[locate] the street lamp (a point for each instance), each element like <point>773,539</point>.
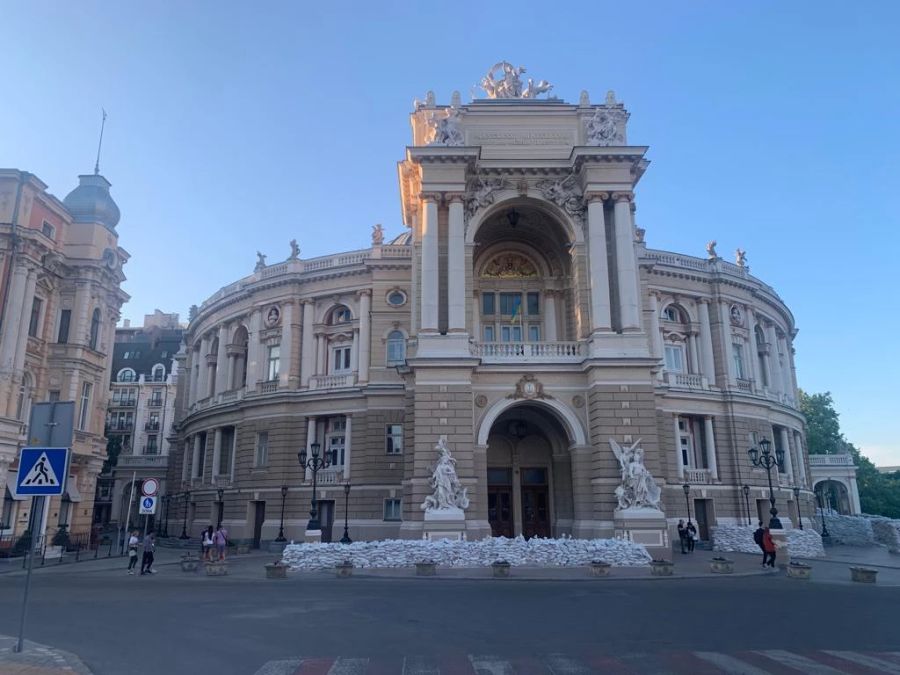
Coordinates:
<point>184,534</point>
<point>314,464</point>
<point>764,458</point>
<point>822,508</point>
<point>687,492</point>
<point>280,537</point>
<point>746,490</point>
<point>796,490</point>
<point>220,493</point>
<point>346,538</point>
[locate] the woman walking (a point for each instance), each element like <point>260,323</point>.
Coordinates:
<point>132,551</point>
<point>769,548</point>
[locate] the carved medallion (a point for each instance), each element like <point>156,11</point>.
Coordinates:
<point>273,316</point>
<point>481,400</point>
<point>578,401</point>
<point>737,316</point>
<point>529,388</point>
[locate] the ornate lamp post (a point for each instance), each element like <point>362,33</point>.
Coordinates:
<point>280,537</point>
<point>220,493</point>
<point>764,458</point>
<point>746,490</point>
<point>314,464</point>
<point>687,501</point>
<point>796,491</point>
<point>822,508</point>
<point>187,497</point>
<point>346,538</point>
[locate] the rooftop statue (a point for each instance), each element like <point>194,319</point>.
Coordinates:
<point>377,235</point>
<point>740,257</point>
<point>295,250</point>
<point>445,130</point>
<point>260,262</point>
<point>504,80</point>
<point>711,250</point>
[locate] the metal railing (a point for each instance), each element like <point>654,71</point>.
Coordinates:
<point>70,548</point>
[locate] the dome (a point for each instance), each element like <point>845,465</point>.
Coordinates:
<point>403,240</point>
<point>91,202</point>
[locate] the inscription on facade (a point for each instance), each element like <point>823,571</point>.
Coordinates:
<point>520,137</point>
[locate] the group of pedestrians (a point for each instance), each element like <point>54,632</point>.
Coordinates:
<point>149,545</point>
<point>763,538</point>
<point>687,534</point>
<point>213,543</point>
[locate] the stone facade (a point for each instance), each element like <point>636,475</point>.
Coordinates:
<point>524,318</point>
<point>61,296</point>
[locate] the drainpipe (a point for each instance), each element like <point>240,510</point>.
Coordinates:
<point>14,245</point>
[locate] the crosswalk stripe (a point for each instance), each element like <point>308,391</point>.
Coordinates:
<point>559,664</point>
<point>490,665</point>
<point>285,667</point>
<point>344,666</point>
<point>419,665</point>
<point>729,664</point>
<point>801,663</point>
<point>864,660</point>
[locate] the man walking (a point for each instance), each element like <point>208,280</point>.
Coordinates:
<point>682,534</point>
<point>758,538</point>
<point>149,548</point>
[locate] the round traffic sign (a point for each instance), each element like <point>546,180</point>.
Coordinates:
<point>148,502</point>
<point>150,487</point>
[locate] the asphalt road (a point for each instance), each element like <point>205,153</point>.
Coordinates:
<point>178,624</point>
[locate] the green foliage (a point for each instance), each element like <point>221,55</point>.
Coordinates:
<point>879,494</point>
<point>113,449</point>
<point>61,538</point>
<point>22,543</point>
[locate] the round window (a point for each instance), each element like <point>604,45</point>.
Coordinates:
<point>396,298</point>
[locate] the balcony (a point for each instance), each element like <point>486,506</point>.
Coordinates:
<point>121,426</point>
<point>686,380</point>
<point>831,460</point>
<point>123,403</point>
<point>139,461</point>
<point>697,476</point>
<point>151,426</point>
<point>332,381</point>
<point>155,403</point>
<point>333,476</point>
<point>268,387</point>
<point>528,352</point>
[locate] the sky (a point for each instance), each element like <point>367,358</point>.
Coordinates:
<point>236,127</point>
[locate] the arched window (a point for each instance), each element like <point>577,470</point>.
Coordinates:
<point>95,329</point>
<point>126,375</point>
<point>673,313</point>
<point>396,348</point>
<point>339,315</point>
<point>158,374</point>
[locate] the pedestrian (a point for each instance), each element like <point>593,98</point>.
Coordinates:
<point>769,547</point>
<point>207,542</point>
<point>682,534</point>
<point>758,538</point>
<point>220,539</point>
<point>691,536</point>
<point>132,551</point>
<point>149,548</point>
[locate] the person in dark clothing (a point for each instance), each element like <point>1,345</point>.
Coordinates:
<point>682,535</point>
<point>691,533</point>
<point>149,548</point>
<point>758,538</point>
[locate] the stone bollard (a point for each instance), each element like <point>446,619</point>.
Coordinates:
<point>426,568</point>
<point>662,568</point>
<point>799,570</point>
<point>276,570</point>
<point>344,569</point>
<point>500,569</point>
<point>863,575</point>
<point>189,563</point>
<point>721,566</point>
<point>217,569</point>
<point>599,568</point>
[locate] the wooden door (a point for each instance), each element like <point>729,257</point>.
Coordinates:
<point>500,510</point>
<point>326,518</point>
<point>259,517</point>
<point>535,511</point>
<point>701,511</point>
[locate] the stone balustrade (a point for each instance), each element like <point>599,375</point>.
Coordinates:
<point>528,352</point>
<point>332,381</point>
<point>831,460</point>
<point>696,476</point>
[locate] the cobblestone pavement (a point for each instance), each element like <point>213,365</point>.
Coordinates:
<point>37,659</point>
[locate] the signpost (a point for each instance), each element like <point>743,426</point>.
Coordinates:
<point>43,470</point>
<point>148,506</point>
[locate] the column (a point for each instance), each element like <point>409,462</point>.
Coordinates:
<point>311,433</point>
<point>78,333</point>
<point>707,362</point>
<point>348,445</point>
<point>710,439</point>
<point>321,354</point>
<point>429,299</point>
<point>365,337</point>
<point>203,375</point>
<point>550,316</point>
<point>656,345</point>
<point>456,267</point>
<point>785,368</point>
<point>286,366</point>
<point>17,324</point>
<point>775,380</point>
<point>221,383</point>
<point>254,351</point>
<point>753,357</point>
<point>678,449</point>
<point>184,459</point>
<point>727,346</point>
<point>626,264</point>
<point>188,373</point>
<point>217,454</point>
<point>788,459</point>
<point>476,316</point>
<point>801,461</point>
<point>195,458</point>
<point>14,314</point>
<point>307,353</point>
<point>695,356</point>
<point>354,351</point>
<point>599,263</point>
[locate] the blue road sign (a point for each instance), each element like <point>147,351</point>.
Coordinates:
<point>42,471</point>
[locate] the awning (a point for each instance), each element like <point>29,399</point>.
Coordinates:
<point>72,492</point>
<point>11,478</point>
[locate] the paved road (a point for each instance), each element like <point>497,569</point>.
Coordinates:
<point>184,624</point>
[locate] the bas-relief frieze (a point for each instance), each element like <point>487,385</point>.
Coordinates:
<point>520,137</point>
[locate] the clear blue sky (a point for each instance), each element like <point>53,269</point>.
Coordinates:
<point>235,127</point>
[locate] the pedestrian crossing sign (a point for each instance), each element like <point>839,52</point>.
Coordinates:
<point>42,471</point>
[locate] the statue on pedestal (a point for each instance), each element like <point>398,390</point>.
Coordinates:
<point>448,491</point>
<point>295,250</point>
<point>377,235</point>
<point>711,250</point>
<point>260,262</point>
<point>638,488</point>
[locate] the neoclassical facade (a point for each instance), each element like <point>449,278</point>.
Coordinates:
<point>523,317</point>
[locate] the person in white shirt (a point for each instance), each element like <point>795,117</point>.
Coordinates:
<point>132,551</point>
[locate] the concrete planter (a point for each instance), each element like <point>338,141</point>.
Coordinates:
<point>189,563</point>
<point>662,568</point>
<point>243,548</point>
<point>216,569</point>
<point>721,566</point>
<point>426,568</point>
<point>797,570</point>
<point>344,569</point>
<point>863,575</point>
<point>599,568</point>
<point>276,571</point>
<point>501,569</point>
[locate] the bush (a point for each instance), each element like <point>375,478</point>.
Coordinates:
<point>61,538</point>
<point>22,543</point>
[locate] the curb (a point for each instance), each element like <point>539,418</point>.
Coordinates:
<point>35,651</point>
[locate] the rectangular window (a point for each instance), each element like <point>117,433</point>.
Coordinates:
<point>487,304</point>
<point>738,350</point>
<point>65,318</point>
<point>274,363</point>
<point>675,358</point>
<point>53,395</point>
<point>510,333</point>
<point>534,307</point>
<point>152,447</point>
<point>262,449</point>
<point>34,323</point>
<point>341,360</point>
<point>510,303</point>
<point>225,452</point>
<point>686,442</point>
<point>47,229</point>
<point>337,428</point>
<point>394,439</point>
<point>392,509</point>
<point>534,333</point>
<point>488,333</point>
<point>84,416</point>
<point>153,421</point>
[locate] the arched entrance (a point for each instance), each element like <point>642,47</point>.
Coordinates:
<point>529,474</point>
<point>834,496</point>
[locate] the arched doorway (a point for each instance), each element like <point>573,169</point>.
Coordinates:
<point>834,496</point>
<point>529,474</point>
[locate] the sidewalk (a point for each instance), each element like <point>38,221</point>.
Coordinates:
<point>37,659</point>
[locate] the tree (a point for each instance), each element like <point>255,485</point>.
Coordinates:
<point>113,449</point>
<point>879,493</point>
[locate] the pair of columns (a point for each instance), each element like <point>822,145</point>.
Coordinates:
<point>627,280</point>
<point>216,457</point>
<point>456,266</point>
<point>313,435</point>
<point>709,439</point>
<point>314,347</point>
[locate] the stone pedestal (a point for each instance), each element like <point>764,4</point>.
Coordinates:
<point>644,526</point>
<point>445,524</point>
<point>312,536</point>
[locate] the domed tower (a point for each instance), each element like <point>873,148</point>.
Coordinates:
<point>91,202</point>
